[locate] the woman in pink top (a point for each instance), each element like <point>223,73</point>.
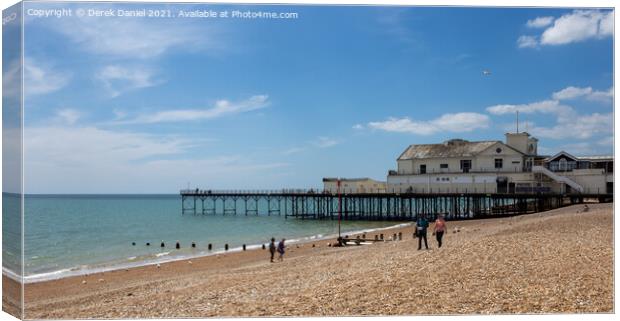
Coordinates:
<point>440,228</point>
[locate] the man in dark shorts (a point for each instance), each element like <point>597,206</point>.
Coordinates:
<point>421,225</point>
<point>272,248</point>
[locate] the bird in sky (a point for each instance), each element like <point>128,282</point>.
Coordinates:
<point>486,72</point>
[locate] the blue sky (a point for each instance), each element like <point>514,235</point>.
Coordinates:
<point>146,105</point>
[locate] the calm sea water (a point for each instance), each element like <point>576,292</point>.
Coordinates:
<point>68,235</point>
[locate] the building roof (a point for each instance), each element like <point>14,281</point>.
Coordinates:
<point>450,148</point>
<point>596,158</point>
<point>361,179</point>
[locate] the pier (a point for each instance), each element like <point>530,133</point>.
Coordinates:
<point>315,204</point>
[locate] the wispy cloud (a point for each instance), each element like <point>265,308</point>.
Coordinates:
<point>358,127</point>
<point>118,79</point>
<point>545,107</point>
<point>325,142</point>
<point>527,42</point>
<point>588,93</point>
<point>41,78</point>
<point>569,123</point>
<point>577,26</point>
<point>220,109</point>
<point>62,158</point>
<point>580,127</point>
<point>68,116</point>
<point>293,150</point>
<point>456,123</point>
<point>133,38</point>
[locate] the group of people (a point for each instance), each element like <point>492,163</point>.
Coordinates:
<point>421,227</point>
<point>279,248</point>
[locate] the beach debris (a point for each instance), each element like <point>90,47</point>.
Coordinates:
<point>329,244</point>
<point>158,265</point>
<point>101,280</point>
<point>83,281</point>
<point>129,294</point>
<point>189,262</point>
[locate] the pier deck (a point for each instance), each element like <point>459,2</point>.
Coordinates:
<point>313,204</point>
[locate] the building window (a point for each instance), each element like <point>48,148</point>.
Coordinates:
<point>499,163</point>
<point>443,166</point>
<point>465,165</point>
<point>563,164</point>
<point>422,169</point>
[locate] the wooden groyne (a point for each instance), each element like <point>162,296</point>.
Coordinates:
<point>313,204</point>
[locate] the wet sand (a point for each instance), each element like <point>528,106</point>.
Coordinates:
<point>559,261</point>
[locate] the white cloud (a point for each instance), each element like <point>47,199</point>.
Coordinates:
<point>40,78</point>
<point>293,150</point>
<point>68,116</point>
<point>119,79</point>
<point>358,126</point>
<point>571,92</point>
<point>546,107</point>
<point>527,42</point>
<point>602,96</point>
<point>579,127</point>
<point>578,26</point>
<point>325,142</point>
<point>61,159</point>
<point>221,108</point>
<point>459,122</point>
<point>539,22</point>
<point>132,38</point>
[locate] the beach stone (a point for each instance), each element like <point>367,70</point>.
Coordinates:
<point>101,280</point>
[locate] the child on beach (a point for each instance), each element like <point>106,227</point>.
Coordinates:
<point>440,228</point>
<point>281,247</point>
<point>272,248</point>
<point>421,225</point>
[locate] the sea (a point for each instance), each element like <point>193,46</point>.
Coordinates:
<point>67,235</point>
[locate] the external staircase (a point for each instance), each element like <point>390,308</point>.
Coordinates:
<point>558,178</point>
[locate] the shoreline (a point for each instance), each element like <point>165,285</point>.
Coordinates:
<point>163,259</point>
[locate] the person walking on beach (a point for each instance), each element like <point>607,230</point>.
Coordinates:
<point>272,248</point>
<point>421,225</point>
<point>440,228</point>
<point>281,248</point>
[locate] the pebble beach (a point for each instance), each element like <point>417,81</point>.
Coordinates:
<point>560,261</point>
